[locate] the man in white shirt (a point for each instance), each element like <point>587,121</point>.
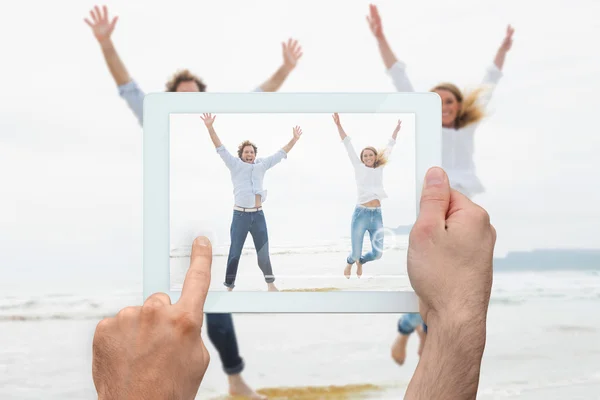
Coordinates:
<point>247,176</point>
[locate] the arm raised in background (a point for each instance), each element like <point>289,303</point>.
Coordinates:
<point>504,48</point>
<point>128,88</point>
<point>494,72</point>
<point>291,54</point>
<point>103,29</point>
<point>346,140</point>
<point>396,68</point>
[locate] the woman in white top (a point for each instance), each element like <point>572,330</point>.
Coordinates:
<point>368,171</point>
<point>461,113</point>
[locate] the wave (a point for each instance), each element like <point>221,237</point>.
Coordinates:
<point>510,290</point>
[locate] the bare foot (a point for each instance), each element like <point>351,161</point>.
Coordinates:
<point>238,387</point>
<point>348,271</point>
<point>399,348</point>
<point>229,289</point>
<point>422,337</point>
<point>272,287</point>
<point>358,269</point>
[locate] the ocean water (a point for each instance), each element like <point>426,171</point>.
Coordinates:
<point>542,343</point>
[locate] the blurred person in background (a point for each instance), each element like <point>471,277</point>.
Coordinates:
<point>462,112</point>
<point>219,326</point>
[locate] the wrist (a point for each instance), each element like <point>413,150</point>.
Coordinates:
<point>106,43</point>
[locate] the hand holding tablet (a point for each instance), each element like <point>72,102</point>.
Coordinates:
<point>449,266</point>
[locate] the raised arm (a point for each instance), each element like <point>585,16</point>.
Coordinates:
<point>504,48</point>
<point>282,153</point>
<point>103,29</point>
<point>291,54</point>
<point>209,120</point>
<point>346,140</point>
<point>297,132</point>
<point>395,68</point>
<point>494,72</point>
<point>392,141</point>
<point>227,157</point>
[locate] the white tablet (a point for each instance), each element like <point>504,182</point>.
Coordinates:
<point>331,232</point>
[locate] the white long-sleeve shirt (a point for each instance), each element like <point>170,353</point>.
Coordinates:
<point>369,181</point>
<point>457,144</point>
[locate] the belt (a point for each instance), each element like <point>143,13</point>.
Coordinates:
<point>242,209</point>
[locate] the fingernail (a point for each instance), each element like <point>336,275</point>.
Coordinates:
<point>435,176</point>
<point>201,241</point>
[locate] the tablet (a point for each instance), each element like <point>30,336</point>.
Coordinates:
<point>330,233</point>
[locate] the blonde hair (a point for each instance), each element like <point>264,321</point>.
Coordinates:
<point>380,158</point>
<point>470,111</point>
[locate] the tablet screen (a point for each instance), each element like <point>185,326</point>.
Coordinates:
<point>322,206</point>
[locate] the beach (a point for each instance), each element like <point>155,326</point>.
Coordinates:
<point>305,268</point>
<point>542,344</point>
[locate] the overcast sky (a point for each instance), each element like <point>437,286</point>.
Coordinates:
<point>70,150</point>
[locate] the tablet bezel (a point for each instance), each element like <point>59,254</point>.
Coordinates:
<point>156,153</point>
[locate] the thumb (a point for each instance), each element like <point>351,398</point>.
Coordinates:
<point>435,200</point>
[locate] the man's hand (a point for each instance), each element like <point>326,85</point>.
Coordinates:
<point>297,132</point>
<point>101,27</point>
<point>450,253</point>
<point>374,21</point>
<point>208,119</point>
<point>507,42</point>
<point>156,351</point>
<point>291,54</point>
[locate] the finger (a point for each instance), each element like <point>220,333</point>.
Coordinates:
<point>158,300</point>
<point>93,16</point>
<point>105,14</point>
<point>87,21</point>
<point>113,23</point>
<point>97,13</point>
<point>197,279</point>
<point>435,200</point>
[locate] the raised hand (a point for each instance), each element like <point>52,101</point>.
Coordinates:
<point>297,132</point>
<point>291,53</point>
<point>507,42</point>
<point>336,119</point>
<point>101,27</point>
<point>208,119</point>
<point>395,134</point>
<point>374,21</point>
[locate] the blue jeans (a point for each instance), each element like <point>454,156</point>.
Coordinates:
<point>222,335</point>
<point>409,322</point>
<point>366,219</point>
<point>243,223</point>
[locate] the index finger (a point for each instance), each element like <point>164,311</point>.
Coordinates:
<point>197,279</point>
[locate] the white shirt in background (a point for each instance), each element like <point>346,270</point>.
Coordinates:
<point>457,144</point>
